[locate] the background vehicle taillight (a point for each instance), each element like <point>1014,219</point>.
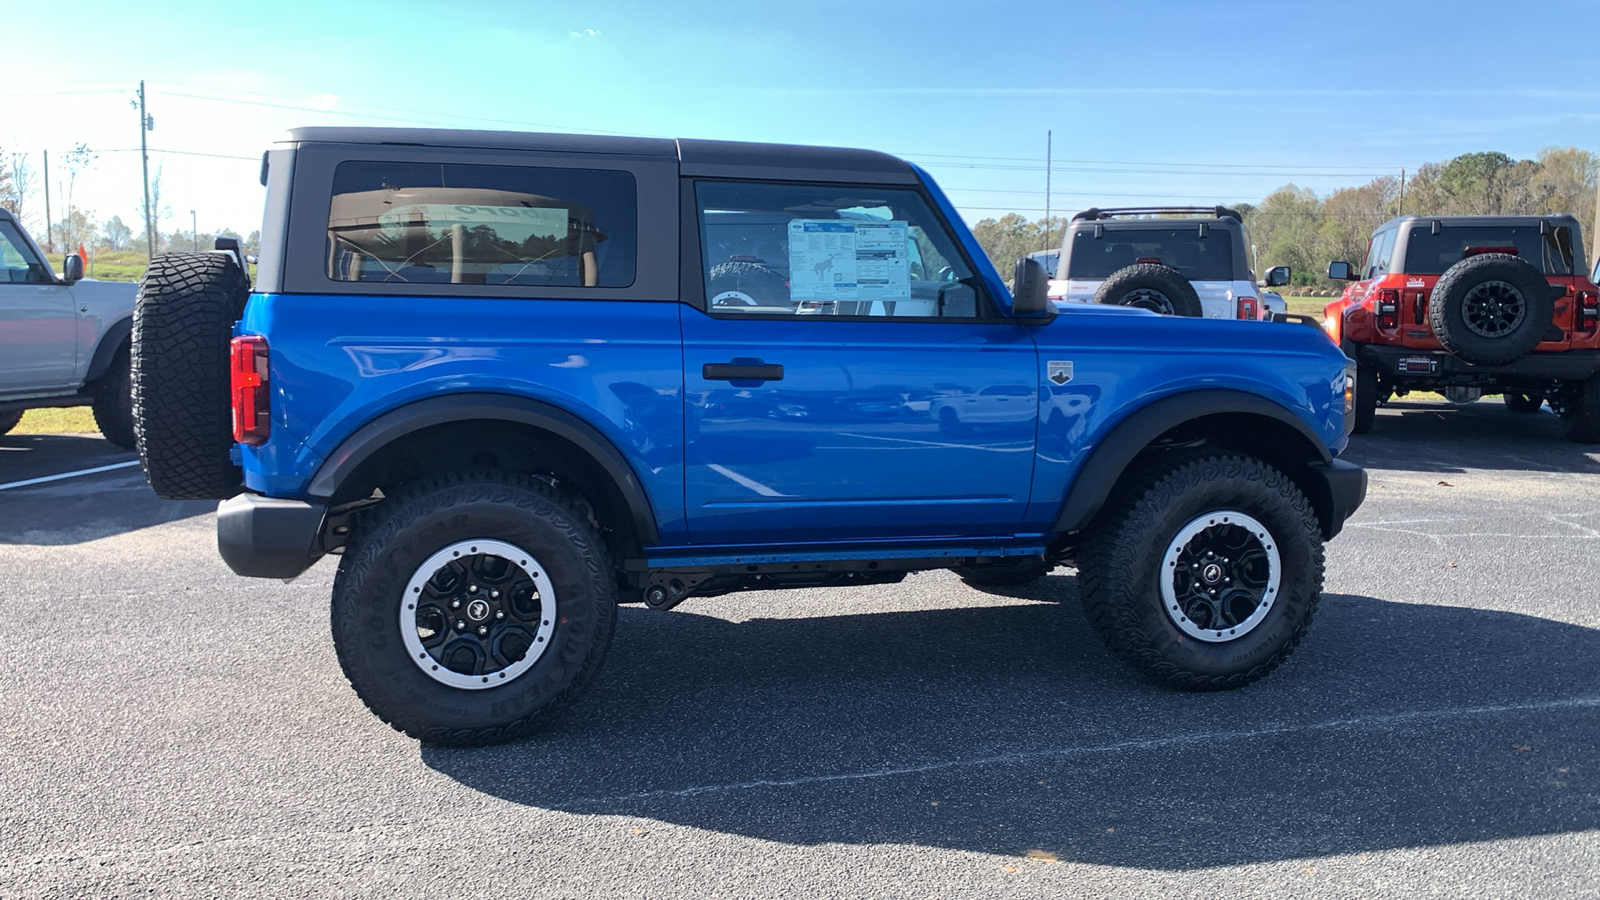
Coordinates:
<point>1247,307</point>
<point>1388,309</point>
<point>1588,310</point>
<point>251,416</point>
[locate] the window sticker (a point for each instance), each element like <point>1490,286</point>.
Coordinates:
<point>831,259</point>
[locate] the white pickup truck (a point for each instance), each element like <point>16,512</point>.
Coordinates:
<point>63,340</point>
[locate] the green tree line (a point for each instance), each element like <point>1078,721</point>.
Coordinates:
<point>1295,227</point>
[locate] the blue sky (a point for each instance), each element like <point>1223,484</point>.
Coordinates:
<point>1180,102</point>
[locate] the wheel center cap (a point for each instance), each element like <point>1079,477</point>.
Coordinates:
<point>1212,573</point>
<point>478,610</point>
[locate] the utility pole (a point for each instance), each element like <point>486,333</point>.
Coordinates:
<point>1047,191</point>
<point>1400,209</point>
<point>145,125</point>
<point>194,231</point>
<point>1594,236</point>
<point>49,240</point>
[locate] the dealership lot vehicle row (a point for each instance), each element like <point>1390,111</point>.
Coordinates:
<point>189,732</point>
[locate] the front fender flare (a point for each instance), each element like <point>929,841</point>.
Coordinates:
<point>1128,438</point>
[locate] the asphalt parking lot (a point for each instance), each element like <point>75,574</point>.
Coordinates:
<point>170,729</point>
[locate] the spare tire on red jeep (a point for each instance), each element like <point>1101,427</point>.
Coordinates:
<point>1157,288</point>
<point>182,414</point>
<point>1492,308</point>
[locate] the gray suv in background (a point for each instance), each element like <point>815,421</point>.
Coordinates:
<point>63,340</point>
<point>1183,261</point>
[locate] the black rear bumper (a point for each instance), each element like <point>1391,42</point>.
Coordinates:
<point>265,537</point>
<point>1337,489</point>
<point>1404,367</point>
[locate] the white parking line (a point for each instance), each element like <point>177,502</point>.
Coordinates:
<point>64,475</point>
<point>1355,723</point>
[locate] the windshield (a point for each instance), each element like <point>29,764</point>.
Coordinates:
<point>1208,258</point>
<point>1431,254</point>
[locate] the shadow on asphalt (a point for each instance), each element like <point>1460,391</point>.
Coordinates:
<point>1423,436</point>
<point>78,509</point>
<point>1008,729</point>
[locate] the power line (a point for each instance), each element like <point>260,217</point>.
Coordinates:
<point>1123,162</point>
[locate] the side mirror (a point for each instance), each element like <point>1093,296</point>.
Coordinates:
<point>72,268</point>
<point>1340,271</point>
<point>1278,276</point>
<point>1030,290</point>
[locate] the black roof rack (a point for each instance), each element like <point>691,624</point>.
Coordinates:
<point>1220,212</point>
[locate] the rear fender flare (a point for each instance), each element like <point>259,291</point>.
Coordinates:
<point>372,437</point>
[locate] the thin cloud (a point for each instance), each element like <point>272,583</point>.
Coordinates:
<point>586,33</point>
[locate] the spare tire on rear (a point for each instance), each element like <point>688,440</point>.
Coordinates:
<point>182,414</point>
<point>1491,309</point>
<point>1157,288</point>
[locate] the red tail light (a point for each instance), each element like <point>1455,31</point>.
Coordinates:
<point>252,421</point>
<point>1388,309</point>
<point>1588,311</point>
<point>1247,307</point>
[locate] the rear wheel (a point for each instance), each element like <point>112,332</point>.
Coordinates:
<point>1580,414</point>
<point>1521,401</point>
<point>473,608</point>
<point>1366,398</point>
<point>1203,570</point>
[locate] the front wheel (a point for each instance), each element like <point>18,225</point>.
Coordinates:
<point>474,607</point>
<point>113,403</point>
<point>1203,571</point>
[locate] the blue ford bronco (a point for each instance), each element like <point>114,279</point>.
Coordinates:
<point>513,380</point>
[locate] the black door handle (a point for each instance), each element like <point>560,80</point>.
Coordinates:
<point>741,371</point>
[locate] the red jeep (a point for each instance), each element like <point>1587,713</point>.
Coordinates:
<point>1493,304</point>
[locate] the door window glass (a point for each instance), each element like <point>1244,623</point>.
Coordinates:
<point>18,265</point>
<point>1378,254</point>
<point>810,250</point>
<point>429,223</point>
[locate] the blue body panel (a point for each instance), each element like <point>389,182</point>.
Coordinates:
<point>1125,359</point>
<point>877,429</point>
<point>883,439</point>
<point>337,363</point>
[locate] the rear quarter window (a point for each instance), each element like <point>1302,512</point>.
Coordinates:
<point>1208,258</point>
<point>1432,254</point>
<point>443,223</point>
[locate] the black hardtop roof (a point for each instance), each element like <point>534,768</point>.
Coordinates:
<point>1109,214</point>
<point>1446,221</point>
<point>690,153</point>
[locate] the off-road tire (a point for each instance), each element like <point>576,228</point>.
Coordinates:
<point>1366,399</point>
<point>9,421</point>
<point>419,520</point>
<point>1523,401</point>
<point>113,402</point>
<point>1010,574</point>
<point>1120,567</point>
<point>1580,414</point>
<point>764,286</point>
<point>182,414</point>
<point>1491,278</point>
<point>1135,285</point>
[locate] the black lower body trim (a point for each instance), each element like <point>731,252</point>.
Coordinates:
<point>266,537</point>
<point>1337,489</point>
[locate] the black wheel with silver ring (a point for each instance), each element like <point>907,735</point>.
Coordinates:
<point>478,614</point>
<point>1203,569</point>
<point>471,607</point>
